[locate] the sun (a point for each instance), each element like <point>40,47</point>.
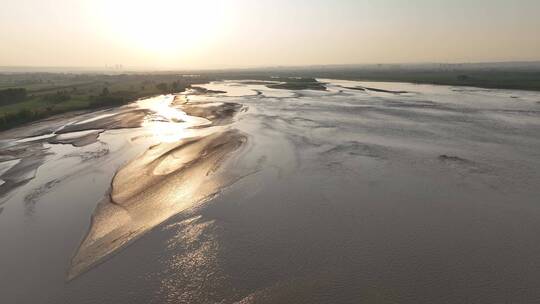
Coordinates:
<point>163,26</point>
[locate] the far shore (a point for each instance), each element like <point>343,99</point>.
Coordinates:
<point>30,97</point>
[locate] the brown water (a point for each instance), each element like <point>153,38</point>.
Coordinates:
<point>395,194</point>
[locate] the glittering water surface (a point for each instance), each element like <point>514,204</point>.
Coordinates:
<point>364,193</point>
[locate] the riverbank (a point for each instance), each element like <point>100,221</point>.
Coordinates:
<point>33,97</point>
<point>524,79</point>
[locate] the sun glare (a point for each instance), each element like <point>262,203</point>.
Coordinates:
<point>164,27</point>
<point>169,124</point>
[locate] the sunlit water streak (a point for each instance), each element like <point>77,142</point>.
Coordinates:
<point>169,124</point>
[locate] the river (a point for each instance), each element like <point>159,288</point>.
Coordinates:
<point>234,192</point>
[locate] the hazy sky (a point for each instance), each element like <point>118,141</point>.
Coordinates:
<point>244,33</point>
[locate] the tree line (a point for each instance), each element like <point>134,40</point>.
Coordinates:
<point>11,96</point>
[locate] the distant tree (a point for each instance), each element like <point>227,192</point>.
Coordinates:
<point>25,114</point>
<point>163,87</point>
<point>58,97</point>
<point>10,96</point>
<point>175,86</point>
<point>105,92</point>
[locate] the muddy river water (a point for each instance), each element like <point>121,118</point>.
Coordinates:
<point>233,192</point>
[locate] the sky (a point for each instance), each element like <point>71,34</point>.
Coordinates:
<point>184,34</point>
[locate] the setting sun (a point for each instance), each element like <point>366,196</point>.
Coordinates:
<point>162,27</point>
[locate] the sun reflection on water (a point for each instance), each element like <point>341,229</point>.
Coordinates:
<point>169,124</point>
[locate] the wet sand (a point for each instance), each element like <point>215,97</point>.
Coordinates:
<point>161,183</point>
<point>243,193</point>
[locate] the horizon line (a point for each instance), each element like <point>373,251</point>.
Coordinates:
<point>120,67</point>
